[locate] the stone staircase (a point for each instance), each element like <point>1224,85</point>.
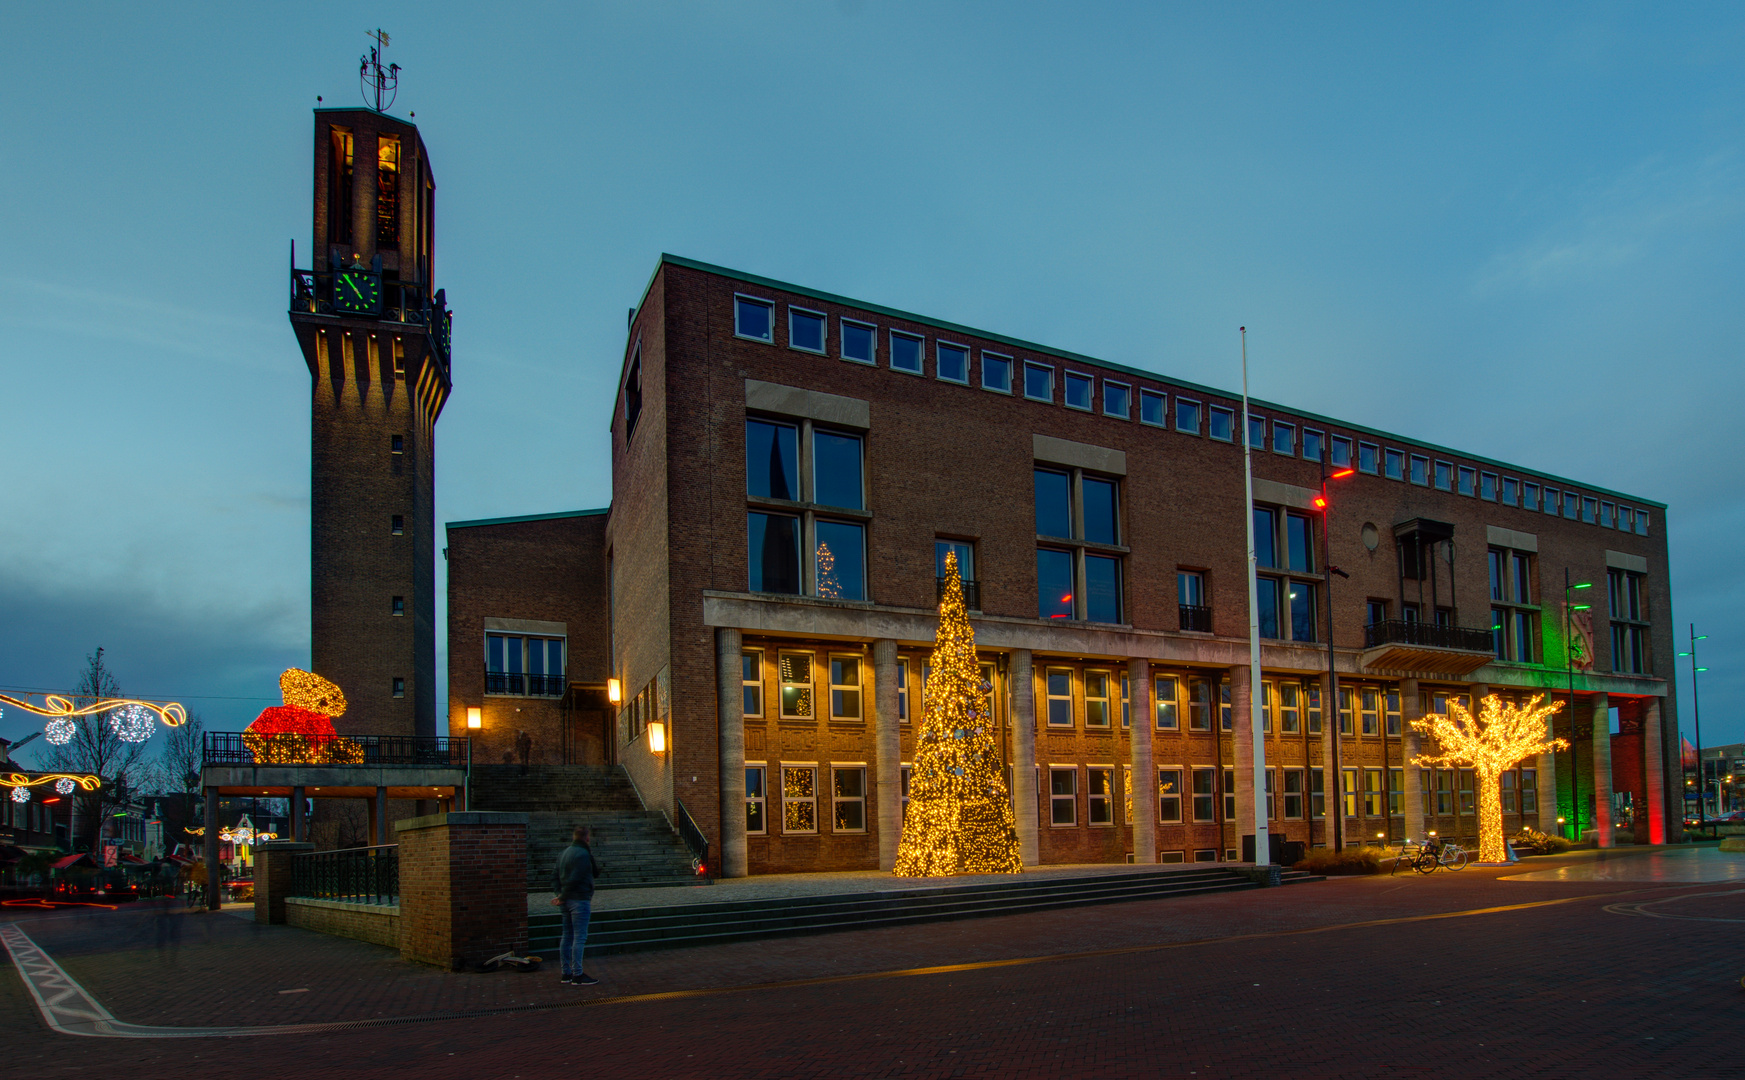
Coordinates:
<point>637,847</point>
<point>680,925</point>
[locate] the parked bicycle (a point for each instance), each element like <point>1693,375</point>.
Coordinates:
<point>1429,854</point>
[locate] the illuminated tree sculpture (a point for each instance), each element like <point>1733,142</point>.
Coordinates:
<point>1499,738</point>
<point>301,730</point>
<point>959,819</point>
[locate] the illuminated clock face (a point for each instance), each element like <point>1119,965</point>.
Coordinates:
<point>356,290</point>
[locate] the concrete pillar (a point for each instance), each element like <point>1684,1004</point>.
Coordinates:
<point>1654,772</point>
<point>1241,722</point>
<point>887,751</point>
<point>1144,793</point>
<point>1024,756</point>
<point>299,815</point>
<point>214,877</point>
<point>1411,745</point>
<point>1602,779</point>
<point>730,726</point>
<point>379,817</point>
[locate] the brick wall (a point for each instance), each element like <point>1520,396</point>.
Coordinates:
<point>378,924</point>
<point>547,569</point>
<point>463,887</point>
<point>272,878</point>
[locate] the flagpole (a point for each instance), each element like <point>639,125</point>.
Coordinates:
<point>1257,781</point>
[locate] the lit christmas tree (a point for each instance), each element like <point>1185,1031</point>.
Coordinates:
<point>1498,739</point>
<point>959,819</point>
<point>829,587</point>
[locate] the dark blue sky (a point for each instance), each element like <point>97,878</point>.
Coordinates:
<point>1515,230</point>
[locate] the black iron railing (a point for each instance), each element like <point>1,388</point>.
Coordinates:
<point>972,593</point>
<point>249,748</point>
<point>693,837</point>
<point>514,682</point>
<point>1196,617</point>
<point>1404,632</point>
<point>369,875</point>
<point>367,294</point>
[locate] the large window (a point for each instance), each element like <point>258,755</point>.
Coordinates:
<point>996,372</point>
<point>1222,424</point>
<point>1078,514</point>
<point>1038,381</point>
<point>951,362</point>
<point>1164,689</point>
<point>906,350</point>
<point>966,569</point>
<point>848,799</point>
<point>519,665</point>
<point>1101,796</point>
<point>845,688</point>
<point>753,318</point>
<point>807,330</point>
<point>1205,799</point>
<point>836,568</point>
<point>796,674</point>
<point>1187,416</point>
<point>1169,795</point>
<point>1285,541</point>
<point>859,341</point>
<point>1063,796</point>
<point>1059,697</point>
<point>1629,614</point>
<point>1513,612</point>
<point>799,798</point>
<point>755,822</point>
<point>1096,699</point>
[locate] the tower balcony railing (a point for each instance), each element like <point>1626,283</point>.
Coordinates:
<point>404,302</point>
<point>1196,617</point>
<point>517,683</point>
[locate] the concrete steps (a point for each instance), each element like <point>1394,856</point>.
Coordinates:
<point>683,925</point>
<point>638,847</point>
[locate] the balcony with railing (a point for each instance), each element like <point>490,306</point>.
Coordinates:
<point>972,593</point>
<point>366,294</point>
<point>1407,645</point>
<point>1196,617</point>
<point>517,684</point>
<point>246,748</point>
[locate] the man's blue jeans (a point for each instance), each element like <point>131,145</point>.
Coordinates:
<point>575,935</point>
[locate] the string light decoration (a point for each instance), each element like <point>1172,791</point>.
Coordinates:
<point>20,794</point>
<point>63,783</point>
<point>829,586</point>
<point>959,819</point>
<point>131,723</point>
<point>300,732</point>
<point>1502,736</point>
<point>62,711</point>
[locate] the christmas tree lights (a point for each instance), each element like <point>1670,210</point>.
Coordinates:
<point>959,819</point>
<point>1499,738</point>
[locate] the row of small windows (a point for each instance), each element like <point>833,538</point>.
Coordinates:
<point>857,342</point>
<point>1292,794</point>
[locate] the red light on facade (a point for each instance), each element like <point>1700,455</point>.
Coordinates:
<point>1320,503</point>
<point>1343,473</point>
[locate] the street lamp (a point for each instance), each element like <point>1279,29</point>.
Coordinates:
<point>1330,707</point>
<point>1569,611</point>
<point>1696,712</point>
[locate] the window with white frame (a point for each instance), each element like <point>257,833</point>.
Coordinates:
<point>807,330</point>
<point>1117,399</point>
<point>1205,797</point>
<point>755,822</point>
<point>1226,712</point>
<point>1229,794</point>
<point>1444,476</point>
<point>1468,791</point>
<point>1221,423</point>
<point>1553,504</point>
<point>1257,431</point>
<point>796,676</point>
<point>799,798</point>
<point>1608,515</point>
<point>1271,796</point>
<point>1096,699</point>
<point>951,362</point>
<point>1314,444</point>
<point>904,774</point>
<point>1312,707</point>
<point>1339,454</point>
<point>1393,464</point>
<point>1038,381</point>
<point>1199,704</point>
<point>754,318</point>
<point>1349,793</point>
<point>1420,470</point>
<point>906,352</point>
<point>1063,795</point>
<point>1293,794</point>
<point>996,372</point>
<point>1284,438</point>
<point>1487,486</point>
<point>1529,791</point>
<point>1467,480</point>
<point>1317,793</point>
<point>1368,458</point>
<point>1372,793</point>
<point>1511,491</point>
<point>1152,407</point>
<point>902,690</point>
<point>1371,711</point>
<point>1290,708</point>
<point>1078,390</point>
<point>1164,689</point>
<point>1059,696</point>
<point>1529,496</point>
<point>845,688</point>
<point>1390,700</point>
<point>1187,416</point>
<point>751,681</point>
<point>1169,794</point>
<point>848,798</point>
<point>858,341</point>
<point>1101,795</point>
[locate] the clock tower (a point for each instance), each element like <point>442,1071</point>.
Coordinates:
<point>375,334</point>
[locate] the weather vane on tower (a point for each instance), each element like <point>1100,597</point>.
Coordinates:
<point>373,77</point>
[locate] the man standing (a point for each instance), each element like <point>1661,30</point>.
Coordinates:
<point>573,882</point>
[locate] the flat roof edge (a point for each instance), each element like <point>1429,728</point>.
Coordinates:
<point>526,517</point>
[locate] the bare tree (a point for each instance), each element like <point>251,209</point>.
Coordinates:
<point>340,823</point>
<point>96,748</point>
<point>180,757</point>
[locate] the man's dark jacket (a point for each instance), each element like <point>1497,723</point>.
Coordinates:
<point>573,877</point>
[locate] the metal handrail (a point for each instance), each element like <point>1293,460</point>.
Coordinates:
<point>401,301</point>
<point>517,682</point>
<point>250,748</point>
<point>692,836</point>
<point>369,875</point>
<point>1196,617</point>
<point>1406,632</point>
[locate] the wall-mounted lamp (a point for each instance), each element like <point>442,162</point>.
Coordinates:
<point>475,719</point>
<point>657,737</point>
<point>614,693</point>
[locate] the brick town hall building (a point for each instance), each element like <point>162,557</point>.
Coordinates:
<point>789,469</point>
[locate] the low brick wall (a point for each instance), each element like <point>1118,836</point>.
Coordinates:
<point>463,887</point>
<point>378,924</point>
<point>272,878</point>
